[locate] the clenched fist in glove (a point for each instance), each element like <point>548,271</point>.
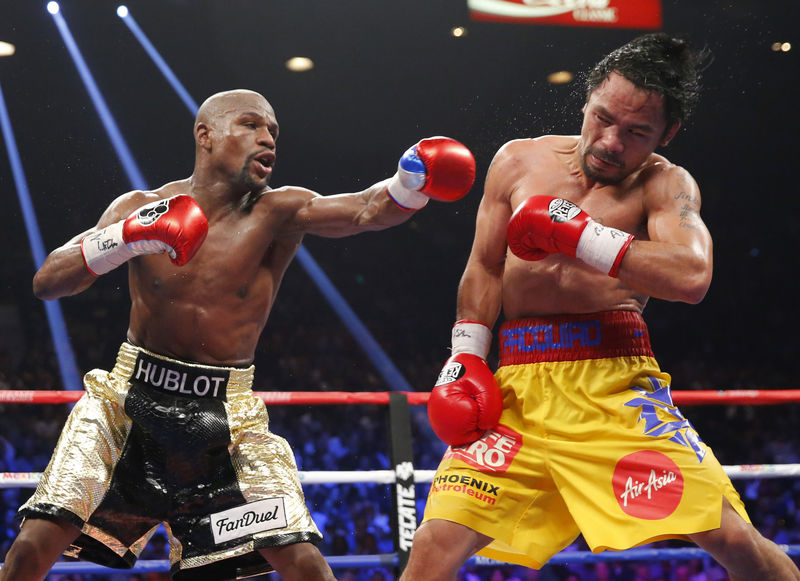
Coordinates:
<point>466,400</point>
<point>437,167</point>
<point>175,225</point>
<point>544,225</point>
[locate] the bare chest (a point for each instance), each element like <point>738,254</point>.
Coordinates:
<point>233,262</point>
<point>612,205</point>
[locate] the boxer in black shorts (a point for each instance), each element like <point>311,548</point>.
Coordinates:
<point>173,433</point>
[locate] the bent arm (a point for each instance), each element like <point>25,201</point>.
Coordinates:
<point>480,292</point>
<point>64,271</point>
<point>676,262</point>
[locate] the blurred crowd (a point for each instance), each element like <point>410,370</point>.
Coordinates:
<point>306,348</point>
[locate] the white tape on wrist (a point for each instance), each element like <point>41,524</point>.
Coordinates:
<point>603,247</point>
<point>471,337</point>
<point>406,198</point>
<point>105,250</point>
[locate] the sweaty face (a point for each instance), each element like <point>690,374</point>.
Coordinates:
<point>246,140</point>
<point>622,127</point>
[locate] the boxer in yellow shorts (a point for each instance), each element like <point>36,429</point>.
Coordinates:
<point>573,236</point>
<point>589,441</point>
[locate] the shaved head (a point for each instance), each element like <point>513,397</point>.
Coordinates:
<point>235,133</point>
<point>220,105</point>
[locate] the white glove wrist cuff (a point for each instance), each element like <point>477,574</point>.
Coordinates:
<point>105,250</point>
<point>603,247</point>
<point>406,198</point>
<point>471,337</point>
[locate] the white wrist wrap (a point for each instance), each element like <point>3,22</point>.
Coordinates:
<point>603,247</point>
<point>105,250</point>
<point>471,337</point>
<point>406,197</point>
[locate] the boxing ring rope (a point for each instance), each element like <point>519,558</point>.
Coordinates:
<point>700,397</point>
<point>740,472</point>
<point>392,560</point>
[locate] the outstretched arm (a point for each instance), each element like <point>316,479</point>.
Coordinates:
<point>438,168</point>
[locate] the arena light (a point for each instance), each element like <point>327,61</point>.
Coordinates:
<point>299,64</point>
<point>7,49</point>
<point>68,368</point>
<point>53,7</point>
<point>458,32</point>
<point>133,26</point>
<point>559,78</point>
<point>115,135</point>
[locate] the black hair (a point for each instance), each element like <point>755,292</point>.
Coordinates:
<point>659,63</point>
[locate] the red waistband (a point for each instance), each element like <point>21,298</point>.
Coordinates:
<point>574,337</point>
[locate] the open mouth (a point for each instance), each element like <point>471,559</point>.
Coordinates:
<point>263,163</point>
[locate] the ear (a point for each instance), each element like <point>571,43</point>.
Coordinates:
<point>670,133</point>
<point>202,136</point>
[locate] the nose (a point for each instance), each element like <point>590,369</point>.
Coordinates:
<point>612,140</point>
<point>266,138</point>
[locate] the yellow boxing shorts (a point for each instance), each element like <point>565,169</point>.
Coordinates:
<point>159,440</point>
<point>589,442</point>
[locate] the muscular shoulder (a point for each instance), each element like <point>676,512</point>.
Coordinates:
<point>130,201</point>
<point>281,205</point>
<point>521,154</point>
<point>525,148</point>
<point>287,199</point>
<point>664,182</point>
<point>519,158</point>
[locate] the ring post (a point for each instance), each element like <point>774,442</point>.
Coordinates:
<point>405,514</point>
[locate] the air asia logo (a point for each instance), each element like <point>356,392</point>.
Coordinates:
<point>562,210</point>
<point>248,519</point>
<point>492,453</point>
<point>648,485</point>
<point>151,212</point>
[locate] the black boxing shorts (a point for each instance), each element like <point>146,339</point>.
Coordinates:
<point>159,440</point>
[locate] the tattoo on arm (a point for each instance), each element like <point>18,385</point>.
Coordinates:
<point>688,198</point>
<point>690,210</point>
<point>689,217</point>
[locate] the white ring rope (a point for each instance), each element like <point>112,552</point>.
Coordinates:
<point>742,472</point>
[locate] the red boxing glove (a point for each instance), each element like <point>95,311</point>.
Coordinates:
<point>466,400</point>
<point>175,225</point>
<point>544,225</point>
<point>437,167</point>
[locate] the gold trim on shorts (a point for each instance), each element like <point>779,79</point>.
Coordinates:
<point>77,483</point>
